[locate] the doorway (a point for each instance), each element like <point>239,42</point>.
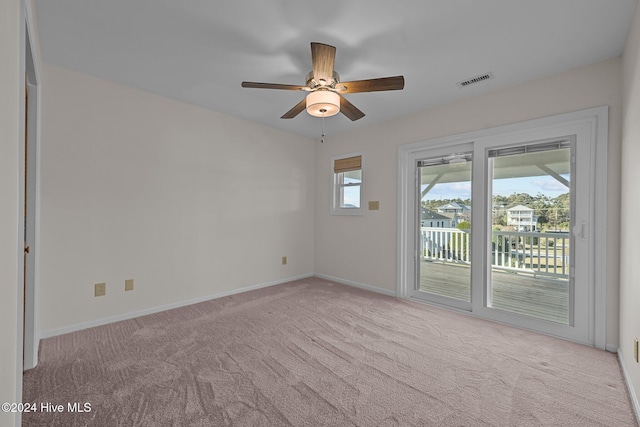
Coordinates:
<point>503,224</point>
<point>31,138</point>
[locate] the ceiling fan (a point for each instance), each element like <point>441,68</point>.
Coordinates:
<point>325,88</point>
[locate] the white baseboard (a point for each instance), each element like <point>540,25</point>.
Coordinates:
<point>126,316</point>
<point>358,285</point>
<point>611,348</point>
<point>632,392</point>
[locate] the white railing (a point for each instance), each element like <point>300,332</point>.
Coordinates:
<point>527,252</point>
<point>445,244</point>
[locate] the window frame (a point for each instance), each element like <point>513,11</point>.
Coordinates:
<point>337,186</point>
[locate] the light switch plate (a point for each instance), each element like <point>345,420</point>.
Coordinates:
<point>100,289</point>
<point>128,285</point>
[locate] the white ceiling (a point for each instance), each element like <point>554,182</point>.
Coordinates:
<point>199,51</point>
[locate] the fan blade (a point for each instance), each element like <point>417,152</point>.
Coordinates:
<point>299,108</point>
<point>256,85</point>
<point>323,57</point>
<point>350,110</point>
<point>371,85</point>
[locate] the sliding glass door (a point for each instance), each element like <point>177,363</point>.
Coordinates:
<point>530,222</point>
<point>500,226</point>
<point>443,225</point>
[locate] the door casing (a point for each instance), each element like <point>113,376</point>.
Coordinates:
<point>590,128</point>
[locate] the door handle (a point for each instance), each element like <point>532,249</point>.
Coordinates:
<point>580,230</point>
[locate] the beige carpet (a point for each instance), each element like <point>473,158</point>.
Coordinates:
<point>316,353</point>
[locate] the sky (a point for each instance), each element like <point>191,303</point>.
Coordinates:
<point>502,187</point>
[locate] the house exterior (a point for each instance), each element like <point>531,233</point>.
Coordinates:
<point>429,218</point>
<point>457,212</point>
<point>522,218</point>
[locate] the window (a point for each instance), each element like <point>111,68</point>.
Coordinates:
<point>347,185</point>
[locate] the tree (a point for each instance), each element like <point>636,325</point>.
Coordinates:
<point>464,225</point>
<point>458,243</point>
<point>521,199</point>
<point>542,220</point>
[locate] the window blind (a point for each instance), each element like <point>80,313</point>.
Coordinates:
<point>532,148</point>
<point>347,164</point>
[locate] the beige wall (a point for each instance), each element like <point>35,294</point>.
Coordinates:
<point>11,157</point>
<point>187,202</point>
<point>629,265</point>
<point>363,249</point>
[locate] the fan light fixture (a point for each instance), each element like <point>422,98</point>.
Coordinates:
<point>325,90</point>
<point>323,103</point>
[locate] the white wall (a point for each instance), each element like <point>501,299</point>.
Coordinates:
<point>363,249</point>
<point>187,202</point>
<point>11,159</point>
<point>629,265</point>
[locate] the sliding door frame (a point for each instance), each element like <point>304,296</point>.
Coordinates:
<point>591,129</point>
<point>416,156</point>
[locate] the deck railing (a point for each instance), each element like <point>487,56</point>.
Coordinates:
<point>527,252</point>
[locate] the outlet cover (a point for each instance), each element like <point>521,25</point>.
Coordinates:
<point>284,260</point>
<point>100,289</point>
<point>128,285</point>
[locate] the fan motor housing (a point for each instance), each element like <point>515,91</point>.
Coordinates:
<point>314,84</point>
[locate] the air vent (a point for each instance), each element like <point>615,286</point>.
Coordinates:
<point>476,79</point>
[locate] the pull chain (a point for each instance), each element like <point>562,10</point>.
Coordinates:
<point>322,138</point>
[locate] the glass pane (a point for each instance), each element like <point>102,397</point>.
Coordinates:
<point>352,177</point>
<point>445,227</point>
<point>349,187</point>
<point>350,197</point>
<point>530,239</point>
